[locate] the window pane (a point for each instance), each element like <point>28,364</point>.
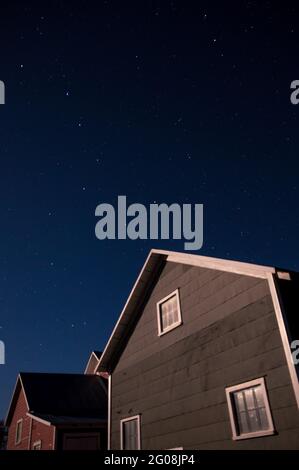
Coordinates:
<point>169,312</point>
<point>164,318</point>
<point>175,312</point>
<point>263,418</point>
<point>243,425</point>
<point>130,441</point>
<point>254,420</point>
<point>165,315</point>
<point>259,396</point>
<point>249,398</point>
<point>239,400</point>
<point>250,410</point>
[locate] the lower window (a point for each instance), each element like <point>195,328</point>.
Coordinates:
<point>37,445</point>
<point>249,410</point>
<point>130,433</point>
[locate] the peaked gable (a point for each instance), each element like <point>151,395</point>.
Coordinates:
<point>18,389</point>
<point>144,284</point>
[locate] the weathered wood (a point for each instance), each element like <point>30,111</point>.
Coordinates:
<point>177,382</point>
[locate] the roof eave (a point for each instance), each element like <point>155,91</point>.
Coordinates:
<point>149,269</point>
<point>11,404</point>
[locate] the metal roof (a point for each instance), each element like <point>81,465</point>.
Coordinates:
<point>73,395</point>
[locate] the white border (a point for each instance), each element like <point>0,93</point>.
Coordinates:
<point>177,323</point>
<point>131,418</point>
<point>232,417</point>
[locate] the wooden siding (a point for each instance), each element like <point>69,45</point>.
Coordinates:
<point>177,382</point>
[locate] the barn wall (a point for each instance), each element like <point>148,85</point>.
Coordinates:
<point>177,382</point>
<point>44,433</point>
<point>20,412</point>
<point>31,431</point>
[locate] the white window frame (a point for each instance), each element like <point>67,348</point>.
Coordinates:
<point>162,332</point>
<point>19,424</point>
<point>233,418</point>
<point>37,443</point>
<point>125,420</point>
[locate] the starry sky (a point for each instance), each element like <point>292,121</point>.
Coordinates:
<point>166,101</point>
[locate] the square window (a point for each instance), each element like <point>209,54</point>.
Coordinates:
<point>169,313</point>
<point>249,410</point>
<point>130,433</point>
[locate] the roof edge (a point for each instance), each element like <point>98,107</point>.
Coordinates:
<point>93,353</point>
<point>10,408</point>
<point>237,267</point>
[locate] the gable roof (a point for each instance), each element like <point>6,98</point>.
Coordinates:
<point>76,396</point>
<point>97,354</point>
<point>144,283</point>
<point>92,362</point>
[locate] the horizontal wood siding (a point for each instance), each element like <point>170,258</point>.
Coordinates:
<point>206,296</point>
<point>177,382</point>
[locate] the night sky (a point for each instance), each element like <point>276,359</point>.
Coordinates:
<point>185,102</point>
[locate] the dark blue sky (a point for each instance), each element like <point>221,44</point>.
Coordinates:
<point>185,102</point>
